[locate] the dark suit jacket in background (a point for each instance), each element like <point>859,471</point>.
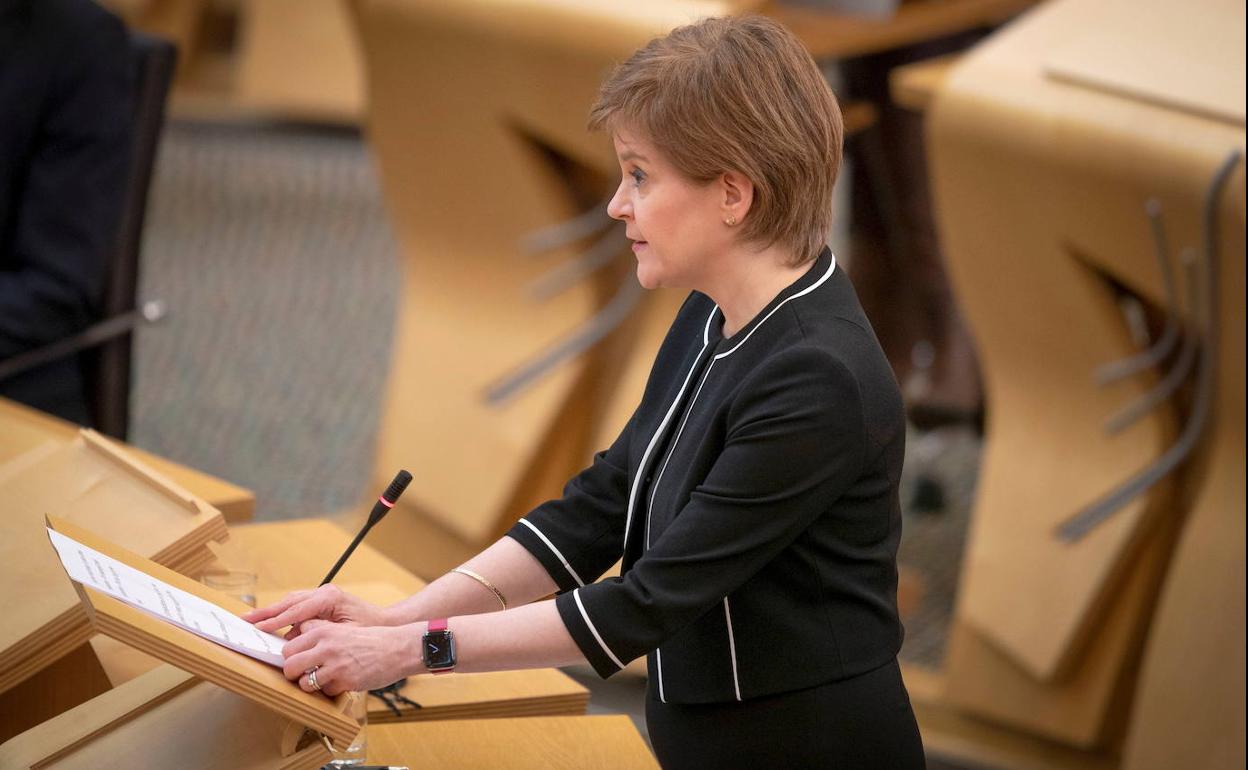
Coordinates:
<point>66,99</point>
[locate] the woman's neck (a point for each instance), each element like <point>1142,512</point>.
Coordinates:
<point>747,281</point>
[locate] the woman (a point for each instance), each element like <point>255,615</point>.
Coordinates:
<point>752,495</point>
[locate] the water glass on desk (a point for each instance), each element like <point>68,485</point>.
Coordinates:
<point>239,583</point>
<point>356,753</point>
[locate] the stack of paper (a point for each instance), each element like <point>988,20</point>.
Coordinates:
<point>165,602</point>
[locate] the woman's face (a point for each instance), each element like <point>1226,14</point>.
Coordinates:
<point>676,225</point>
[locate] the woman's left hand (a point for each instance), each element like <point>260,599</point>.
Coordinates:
<point>350,657</point>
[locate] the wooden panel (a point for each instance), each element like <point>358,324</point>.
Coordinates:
<point>841,35</point>
<point>1208,79</point>
<point>1189,710</point>
<point>1020,163</point>
<point>134,726</point>
<point>536,692</point>
<point>652,326</point>
<point>541,743</point>
<point>913,85</point>
<point>412,539</point>
<point>71,680</point>
<point>23,428</point>
<point>1083,708</point>
<point>1030,171</point>
<point>94,484</point>
<point>963,740</point>
<point>288,555</point>
<point>299,59</point>
<point>121,662</point>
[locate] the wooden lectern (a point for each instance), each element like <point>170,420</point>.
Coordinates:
<point>46,664</point>
<point>279,724</point>
<point>245,714</point>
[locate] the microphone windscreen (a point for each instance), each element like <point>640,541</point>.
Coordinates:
<point>401,480</point>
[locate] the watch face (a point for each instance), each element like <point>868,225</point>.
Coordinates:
<point>439,649</point>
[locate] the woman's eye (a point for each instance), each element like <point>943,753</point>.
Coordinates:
<point>637,175</point>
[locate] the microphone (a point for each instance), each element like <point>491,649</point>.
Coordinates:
<point>380,509</point>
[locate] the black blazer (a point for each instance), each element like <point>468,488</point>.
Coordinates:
<point>66,99</point>
<point>753,497</point>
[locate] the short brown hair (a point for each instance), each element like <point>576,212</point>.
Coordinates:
<point>740,94</point>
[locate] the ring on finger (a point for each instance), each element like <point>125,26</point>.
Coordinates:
<point>312,678</point>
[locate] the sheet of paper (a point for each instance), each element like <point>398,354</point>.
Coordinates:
<point>161,600</point>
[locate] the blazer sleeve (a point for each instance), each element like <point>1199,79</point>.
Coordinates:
<point>578,536</point>
<point>796,441</point>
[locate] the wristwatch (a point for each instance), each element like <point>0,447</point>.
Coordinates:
<point>438,649</point>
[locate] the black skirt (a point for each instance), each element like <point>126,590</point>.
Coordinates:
<point>862,722</point>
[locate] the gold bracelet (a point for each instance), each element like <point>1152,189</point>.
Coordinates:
<point>469,573</point>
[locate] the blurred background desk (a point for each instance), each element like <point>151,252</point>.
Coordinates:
<point>1050,147</point>
<point>23,428</point>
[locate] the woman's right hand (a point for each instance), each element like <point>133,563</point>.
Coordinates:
<point>325,603</point>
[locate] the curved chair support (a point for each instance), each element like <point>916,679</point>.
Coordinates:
<point>1155,354</point>
<point>567,274</point>
<point>1178,374</point>
<point>585,337</point>
<point>583,225</point>
<point>1090,517</point>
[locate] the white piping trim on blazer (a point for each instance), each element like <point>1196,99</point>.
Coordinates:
<point>579,605</point>
<point>658,665</point>
<point>732,649</point>
<point>555,550</point>
<point>672,450</point>
<point>786,300</point>
<point>632,494</point>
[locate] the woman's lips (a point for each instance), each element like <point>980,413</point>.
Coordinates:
<point>638,244</point>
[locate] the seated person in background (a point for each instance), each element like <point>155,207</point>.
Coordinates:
<point>66,99</point>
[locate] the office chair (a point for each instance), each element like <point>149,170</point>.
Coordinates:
<point>104,348</point>
<point>106,367</point>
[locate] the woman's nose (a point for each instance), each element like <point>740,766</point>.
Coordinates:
<point>618,207</point>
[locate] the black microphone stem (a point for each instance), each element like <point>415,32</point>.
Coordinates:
<point>380,509</point>
<point>350,549</point>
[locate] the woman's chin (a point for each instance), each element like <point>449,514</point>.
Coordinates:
<point>647,278</point>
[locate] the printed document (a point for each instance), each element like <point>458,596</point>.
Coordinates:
<point>170,604</point>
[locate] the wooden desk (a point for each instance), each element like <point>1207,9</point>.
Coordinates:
<point>294,554</point>
<point>23,428</point>
<point>165,719</point>
<point>169,719</point>
<point>545,743</point>
<point>1043,155</point>
<point>831,35</point>
<point>912,86</point>
<point>966,741</point>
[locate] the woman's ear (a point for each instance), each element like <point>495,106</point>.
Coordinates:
<point>738,196</point>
